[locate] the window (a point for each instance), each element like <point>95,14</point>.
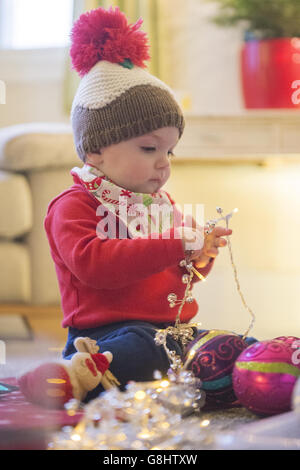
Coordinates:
<point>35,24</point>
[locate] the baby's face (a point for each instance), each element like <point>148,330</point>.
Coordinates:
<point>141,164</point>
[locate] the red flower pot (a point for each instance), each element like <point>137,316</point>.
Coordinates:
<point>270,71</point>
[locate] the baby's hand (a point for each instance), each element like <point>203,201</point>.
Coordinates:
<point>212,242</point>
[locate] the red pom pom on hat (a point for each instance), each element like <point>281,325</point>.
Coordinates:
<point>106,35</point>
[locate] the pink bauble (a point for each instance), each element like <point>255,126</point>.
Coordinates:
<point>265,374</point>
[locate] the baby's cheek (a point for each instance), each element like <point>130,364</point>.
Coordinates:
<point>144,172</point>
<point>138,176</point>
<point>168,174</point>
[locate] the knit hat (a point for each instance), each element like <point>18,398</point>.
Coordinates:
<point>117,99</point>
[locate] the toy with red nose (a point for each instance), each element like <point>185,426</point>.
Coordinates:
<point>54,384</point>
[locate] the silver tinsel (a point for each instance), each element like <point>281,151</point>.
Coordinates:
<point>140,418</point>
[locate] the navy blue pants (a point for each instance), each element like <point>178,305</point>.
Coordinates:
<point>135,354</point>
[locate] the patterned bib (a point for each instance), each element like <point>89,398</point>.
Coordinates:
<point>142,214</point>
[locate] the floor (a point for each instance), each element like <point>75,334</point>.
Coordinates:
<point>48,339</point>
<point>21,356</point>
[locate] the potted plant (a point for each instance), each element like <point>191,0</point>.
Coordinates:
<point>270,56</point>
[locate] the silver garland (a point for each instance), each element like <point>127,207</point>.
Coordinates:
<point>142,417</point>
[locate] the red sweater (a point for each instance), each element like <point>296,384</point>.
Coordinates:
<point>112,280</point>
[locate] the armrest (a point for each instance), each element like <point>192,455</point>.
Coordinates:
<point>34,146</point>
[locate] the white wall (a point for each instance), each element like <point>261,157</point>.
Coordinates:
<point>213,62</point>
<point>200,59</point>
<point>34,82</point>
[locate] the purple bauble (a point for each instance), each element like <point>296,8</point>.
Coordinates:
<point>211,357</point>
<point>265,374</point>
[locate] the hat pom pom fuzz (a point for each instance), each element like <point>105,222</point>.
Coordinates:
<point>102,34</point>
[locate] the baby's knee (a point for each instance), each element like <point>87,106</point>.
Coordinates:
<point>136,354</point>
<point>143,339</point>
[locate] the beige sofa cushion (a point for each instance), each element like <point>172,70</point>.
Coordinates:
<point>15,205</point>
<point>32,146</point>
<point>44,281</point>
<point>15,285</point>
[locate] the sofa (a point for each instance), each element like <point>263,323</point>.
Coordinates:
<point>35,164</point>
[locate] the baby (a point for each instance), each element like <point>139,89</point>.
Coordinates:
<point>126,124</point>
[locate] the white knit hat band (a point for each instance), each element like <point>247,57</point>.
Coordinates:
<point>107,81</point>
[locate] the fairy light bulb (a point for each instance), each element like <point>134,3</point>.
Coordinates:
<point>204,423</point>
<point>165,384</point>
<point>140,395</point>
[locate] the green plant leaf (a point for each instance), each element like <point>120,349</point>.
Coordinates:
<point>266,18</point>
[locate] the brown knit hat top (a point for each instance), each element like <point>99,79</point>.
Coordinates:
<point>117,99</point>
